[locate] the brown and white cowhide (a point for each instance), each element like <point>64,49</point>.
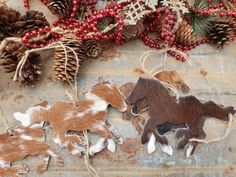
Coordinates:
<point>88,114</point>
<point>24,142</point>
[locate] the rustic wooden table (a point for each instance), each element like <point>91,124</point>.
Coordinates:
<point>211,76</point>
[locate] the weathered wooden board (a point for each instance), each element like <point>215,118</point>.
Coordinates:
<point>212,76</point>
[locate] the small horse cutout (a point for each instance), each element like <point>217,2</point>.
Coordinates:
<point>88,114</point>
<point>163,109</point>
<point>140,106</point>
<point>24,142</point>
<point>170,77</point>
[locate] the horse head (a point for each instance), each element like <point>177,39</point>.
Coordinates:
<point>148,90</point>
<point>107,93</point>
<point>139,91</point>
<point>218,111</point>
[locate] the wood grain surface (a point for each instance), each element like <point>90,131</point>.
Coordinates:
<point>212,76</point>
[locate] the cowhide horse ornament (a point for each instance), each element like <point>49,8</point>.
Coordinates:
<point>164,109</point>
<point>24,142</point>
<point>88,114</point>
<point>138,120</point>
<point>170,77</point>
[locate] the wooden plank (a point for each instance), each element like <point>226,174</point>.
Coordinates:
<point>215,160</point>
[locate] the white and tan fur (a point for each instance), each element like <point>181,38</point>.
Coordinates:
<point>88,114</point>
<point>24,141</point>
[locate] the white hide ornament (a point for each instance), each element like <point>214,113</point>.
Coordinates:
<point>24,142</point>
<point>88,114</point>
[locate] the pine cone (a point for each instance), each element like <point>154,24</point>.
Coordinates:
<point>30,21</point>
<point>13,54</point>
<point>131,32</point>
<point>60,60</point>
<point>92,48</point>
<point>222,30</point>
<point>8,17</point>
<point>62,8</point>
<point>185,34</point>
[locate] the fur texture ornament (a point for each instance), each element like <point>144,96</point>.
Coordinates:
<point>164,109</point>
<point>25,141</point>
<point>88,114</point>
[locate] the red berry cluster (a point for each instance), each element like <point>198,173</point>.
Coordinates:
<point>167,31</point>
<point>166,35</point>
<point>90,4</point>
<point>75,9</point>
<point>161,22</point>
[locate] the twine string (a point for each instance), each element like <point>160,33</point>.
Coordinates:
<point>154,71</point>
<point>9,129</point>
<point>227,131</point>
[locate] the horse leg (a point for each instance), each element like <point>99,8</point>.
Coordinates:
<point>151,144</point>
<point>104,133</point>
<point>185,139</point>
<point>144,137</point>
<point>162,141</point>
<point>58,159</point>
<point>114,131</point>
<point>180,132</point>
<point>72,143</point>
<point>135,121</point>
<point>59,138</point>
<point>47,154</point>
<point>44,166</point>
<point>193,145</point>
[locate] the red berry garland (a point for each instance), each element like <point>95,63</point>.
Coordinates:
<point>26,3</point>
<point>161,22</point>
<point>210,10</point>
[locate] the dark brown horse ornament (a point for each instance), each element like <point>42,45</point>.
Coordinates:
<point>166,109</point>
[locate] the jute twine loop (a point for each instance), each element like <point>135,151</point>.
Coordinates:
<point>154,71</point>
